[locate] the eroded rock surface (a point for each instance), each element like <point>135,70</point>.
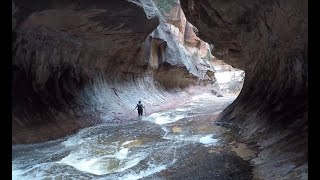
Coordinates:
<point>79,63</point>
<point>226,78</point>
<point>268,40</point>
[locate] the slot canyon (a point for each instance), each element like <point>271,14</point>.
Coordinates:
<point>224,85</point>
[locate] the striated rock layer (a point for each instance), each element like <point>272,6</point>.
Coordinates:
<point>227,78</point>
<point>268,40</point>
<point>79,63</point>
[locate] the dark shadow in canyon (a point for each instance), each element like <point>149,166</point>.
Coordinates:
<point>269,41</point>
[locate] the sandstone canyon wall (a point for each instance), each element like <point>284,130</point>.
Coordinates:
<point>269,41</point>
<point>227,78</point>
<point>80,63</point>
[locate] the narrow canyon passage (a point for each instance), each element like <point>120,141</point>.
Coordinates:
<point>79,68</point>
<point>162,145</point>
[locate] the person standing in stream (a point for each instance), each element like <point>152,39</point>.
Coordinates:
<point>140,108</point>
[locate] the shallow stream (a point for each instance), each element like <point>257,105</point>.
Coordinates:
<point>180,143</point>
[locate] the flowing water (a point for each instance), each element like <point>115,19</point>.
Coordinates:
<point>181,143</point>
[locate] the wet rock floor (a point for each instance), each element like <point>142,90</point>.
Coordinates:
<point>180,143</point>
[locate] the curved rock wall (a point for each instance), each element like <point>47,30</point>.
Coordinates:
<point>79,63</point>
<point>269,41</point>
